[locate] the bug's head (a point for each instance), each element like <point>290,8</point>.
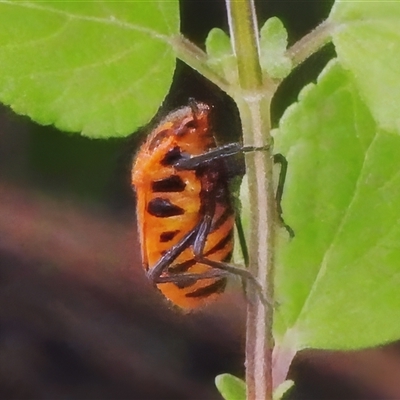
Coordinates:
<point>188,125</point>
<point>195,119</point>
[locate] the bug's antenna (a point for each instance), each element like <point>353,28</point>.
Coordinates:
<point>194,107</point>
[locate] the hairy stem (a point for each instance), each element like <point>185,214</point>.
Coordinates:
<point>259,340</point>
<point>197,59</point>
<point>311,43</point>
<point>254,106</point>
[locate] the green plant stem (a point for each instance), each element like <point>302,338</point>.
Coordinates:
<point>259,339</point>
<point>254,107</point>
<point>244,37</point>
<point>310,43</point>
<point>197,59</point>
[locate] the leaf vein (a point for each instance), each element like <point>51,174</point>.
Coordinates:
<point>35,42</point>
<point>107,21</point>
<point>324,261</point>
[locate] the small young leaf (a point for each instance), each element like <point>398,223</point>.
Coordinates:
<point>367,41</point>
<point>338,279</point>
<point>230,387</point>
<point>221,57</point>
<point>273,43</point>
<point>102,68</point>
<point>218,44</point>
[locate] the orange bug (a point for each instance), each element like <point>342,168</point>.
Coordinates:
<point>184,207</point>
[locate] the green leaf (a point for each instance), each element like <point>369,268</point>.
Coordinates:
<point>338,279</point>
<point>230,387</point>
<point>273,43</point>
<point>218,44</point>
<point>367,39</point>
<point>102,68</point>
<point>221,57</point>
<point>281,391</point>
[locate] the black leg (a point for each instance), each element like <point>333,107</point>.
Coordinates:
<point>196,237</point>
<point>233,149</point>
<point>241,272</point>
<point>198,249</point>
<point>280,159</point>
<point>243,246</point>
<point>228,150</point>
<point>201,237</point>
<point>184,279</point>
<point>154,273</point>
<point>225,151</point>
<point>242,240</point>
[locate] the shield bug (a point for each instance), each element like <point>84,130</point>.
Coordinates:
<point>185,209</point>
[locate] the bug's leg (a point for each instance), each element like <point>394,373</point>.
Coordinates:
<point>201,237</point>
<point>241,272</point>
<point>198,240</point>
<point>243,246</point>
<point>154,273</point>
<point>242,240</point>
<point>183,279</point>
<point>227,150</point>
<point>197,237</point>
<point>219,270</point>
<point>230,150</point>
<point>224,151</point>
<point>281,160</point>
<point>198,250</point>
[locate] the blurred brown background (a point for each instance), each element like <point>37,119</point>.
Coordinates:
<point>78,319</point>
